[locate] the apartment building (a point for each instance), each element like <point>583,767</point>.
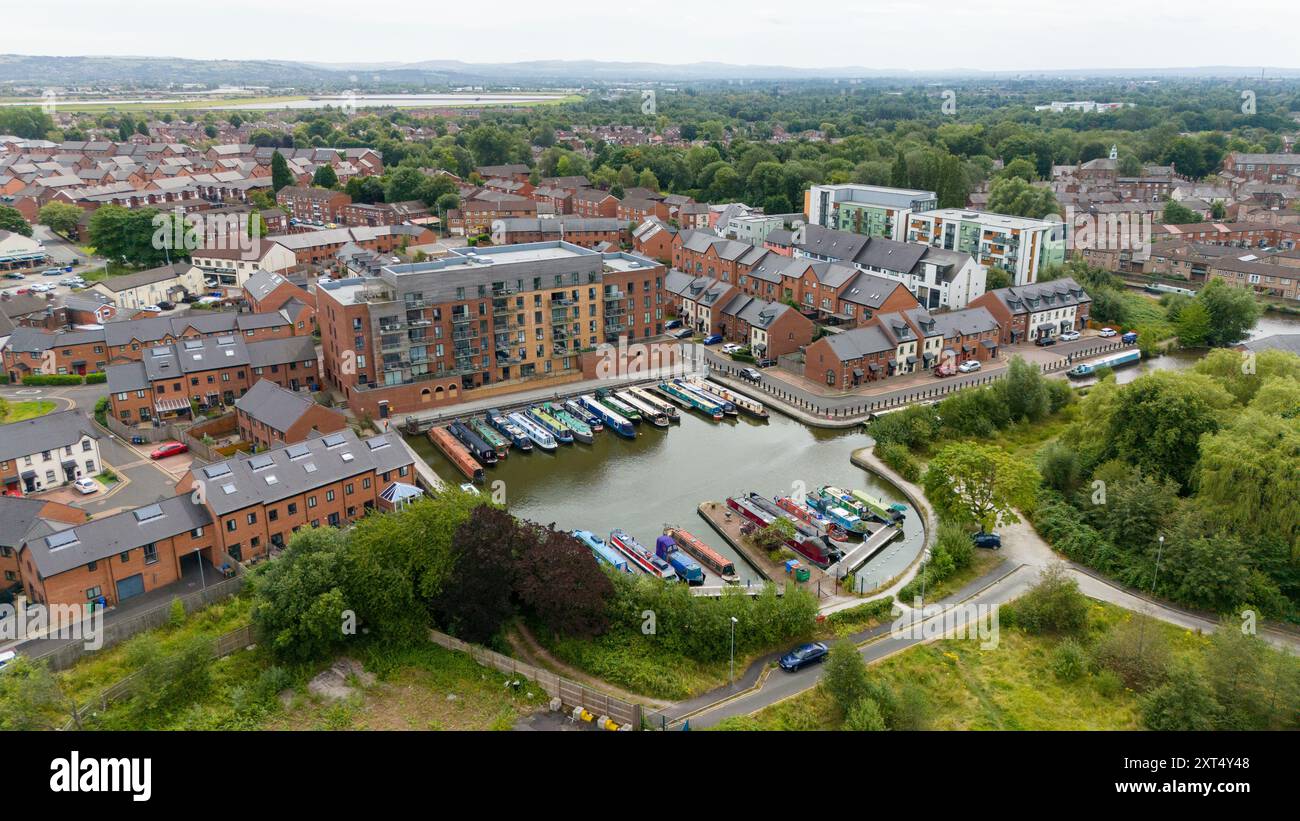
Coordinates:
<point>47,451</point>
<point>873,210</point>
<point>320,206</point>
<point>587,232</point>
<point>422,334</point>
<point>1019,245</point>
<point>231,267</point>
<point>592,202</point>
<point>1042,309</point>
<point>269,292</point>
<point>210,372</point>
<point>321,247</point>
<point>1262,167</point>
<point>268,416</point>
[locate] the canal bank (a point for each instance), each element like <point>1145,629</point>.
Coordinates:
<point>662,476</point>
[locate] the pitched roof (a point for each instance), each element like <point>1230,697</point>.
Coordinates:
<point>41,433</point>
<point>274,406</point>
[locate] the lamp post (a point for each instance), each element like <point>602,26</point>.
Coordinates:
<point>1160,547</point>
<point>732,675</point>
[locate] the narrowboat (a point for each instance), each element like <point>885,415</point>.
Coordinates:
<point>815,549</point>
<point>456,453</point>
<point>552,425</point>
<point>606,397</point>
<point>540,435</point>
<point>604,554</point>
<point>728,408</point>
<point>815,519</point>
<point>686,568</point>
<point>666,408</point>
<point>518,438</point>
<point>499,443</point>
<point>801,527</point>
<point>1113,361</point>
<point>707,407</point>
<point>886,512</point>
<point>750,407</point>
<point>704,554</point>
<point>581,432</point>
<point>648,412</point>
<point>579,412</point>
<point>613,420</point>
<point>643,559</point>
<point>477,447</point>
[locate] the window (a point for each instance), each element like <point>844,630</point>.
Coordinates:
<point>93,592</point>
<point>272,515</point>
<point>151,553</point>
<point>252,518</point>
<point>92,565</point>
<point>311,501</point>
<point>231,525</point>
<point>293,508</point>
<point>329,495</point>
<point>124,556</point>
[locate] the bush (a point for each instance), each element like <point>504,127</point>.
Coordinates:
<point>176,615</point>
<point>845,676</point>
<point>53,379</point>
<point>1108,684</point>
<point>864,716</point>
<point>1053,605</point>
<point>1069,660</point>
<point>1136,653</point>
<point>96,378</point>
<point>101,410</point>
<point>900,460</point>
<point>1184,702</point>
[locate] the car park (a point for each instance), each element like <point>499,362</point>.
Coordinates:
<point>813,652</point>
<point>168,449</point>
<point>988,540</point>
<point>970,366</point>
<point>1107,332</point>
<point>86,486</point>
<point>1069,336</point>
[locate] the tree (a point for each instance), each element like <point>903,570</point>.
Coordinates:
<point>1024,391</point>
<point>774,536</point>
<point>30,696</point>
<point>1247,476</point>
<point>281,176</point>
<point>997,278</point>
<point>864,716</point>
<point>845,675</point>
<point>1160,419</point>
<point>1183,702</point>
<point>1015,196</point>
<point>559,582</point>
<point>405,184</point>
<point>1244,374</point>
<point>485,549</point>
<point>11,219</point>
<point>980,483</point>
<point>300,599</point>
<point>1233,312</point>
<point>60,217</point>
<point>1055,604</point>
<point>166,680</point>
<point>1193,324</point>
<point>1176,213</point>
<point>325,177</point>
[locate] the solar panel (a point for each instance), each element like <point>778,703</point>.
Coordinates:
<point>147,513</point>
<point>61,539</point>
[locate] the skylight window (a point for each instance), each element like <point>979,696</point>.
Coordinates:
<point>228,489</point>
<point>148,513</point>
<point>310,467</point>
<point>298,451</point>
<point>61,539</point>
<point>214,471</point>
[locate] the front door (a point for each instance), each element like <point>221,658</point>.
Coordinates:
<point>130,586</point>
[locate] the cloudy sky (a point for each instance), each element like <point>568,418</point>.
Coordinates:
<point>880,34</point>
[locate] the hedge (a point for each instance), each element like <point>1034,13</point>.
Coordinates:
<point>96,378</point>
<point>53,379</point>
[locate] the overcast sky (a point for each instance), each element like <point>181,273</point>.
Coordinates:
<point>882,34</point>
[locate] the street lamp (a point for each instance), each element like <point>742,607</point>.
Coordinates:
<point>732,676</point>
<point>1160,546</point>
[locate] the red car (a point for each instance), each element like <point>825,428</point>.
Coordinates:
<point>168,449</point>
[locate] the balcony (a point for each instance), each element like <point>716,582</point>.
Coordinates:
<point>615,295</point>
<point>415,303</point>
<point>461,319</point>
<point>391,344</point>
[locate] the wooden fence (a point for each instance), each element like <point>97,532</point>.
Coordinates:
<point>570,693</point>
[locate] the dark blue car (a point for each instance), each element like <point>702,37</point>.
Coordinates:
<point>803,655</point>
<point>712,339</point>
<point>989,540</point>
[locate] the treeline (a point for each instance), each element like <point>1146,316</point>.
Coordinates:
<point>1205,459</point>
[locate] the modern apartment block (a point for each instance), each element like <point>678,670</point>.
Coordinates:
<point>866,209</point>
<point>1020,245</point>
<point>423,334</point>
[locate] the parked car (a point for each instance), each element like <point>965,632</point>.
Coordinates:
<point>166,305</point>
<point>86,486</point>
<point>189,298</point>
<point>151,308</point>
<point>969,366</point>
<point>751,374</point>
<point>730,347</point>
<point>765,363</point>
<point>673,325</point>
<point>990,540</point>
<point>13,275</point>
<point>712,339</point>
<point>168,449</point>
<point>1069,336</point>
<point>684,333</point>
<point>1107,332</point>
<point>1045,340</point>
<point>813,652</point>
<point>51,272</point>
<point>1129,338</point>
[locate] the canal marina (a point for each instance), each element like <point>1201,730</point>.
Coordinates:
<point>660,476</point>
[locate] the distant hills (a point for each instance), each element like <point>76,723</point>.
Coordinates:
<point>45,71</point>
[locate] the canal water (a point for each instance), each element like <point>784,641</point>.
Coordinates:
<point>664,474</point>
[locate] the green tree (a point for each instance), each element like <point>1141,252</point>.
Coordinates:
<point>1176,213</point>
<point>1160,420</point>
<point>1193,324</point>
<point>1247,475</point>
<point>281,176</point>
<point>300,603</point>
<point>845,676</point>
<point>864,716</point>
<point>1183,702</point>
<point>1016,197</point>
<point>60,217</point>
<point>980,483</point>
<point>1233,312</point>
<point>325,177</point>
<point>11,219</point>
<point>30,697</point>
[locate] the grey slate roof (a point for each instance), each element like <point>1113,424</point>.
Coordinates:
<point>101,539</point>
<point>274,406</point>
<point>859,342</point>
<point>161,274</point>
<point>19,516</point>
<point>1042,296</point>
<point>293,469</point>
<point>41,433</point>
